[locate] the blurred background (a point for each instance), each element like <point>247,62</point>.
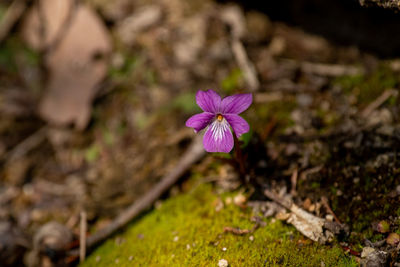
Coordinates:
<point>94,95</point>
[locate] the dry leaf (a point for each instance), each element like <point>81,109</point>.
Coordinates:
<point>76,65</point>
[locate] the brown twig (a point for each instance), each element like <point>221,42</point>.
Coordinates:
<point>303,175</point>
<point>82,237</point>
<point>293,180</point>
<point>26,145</point>
<point>378,102</point>
<point>332,70</point>
<point>11,17</point>
<point>276,198</point>
<point>236,231</point>
<point>324,201</point>
<point>192,155</point>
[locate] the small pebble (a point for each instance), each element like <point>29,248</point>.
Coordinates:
<point>187,246</point>
<point>176,238</point>
<point>223,263</point>
<point>224,249</point>
<point>367,251</point>
<point>329,217</point>
<point>251,238</point>
<point>239,199</point>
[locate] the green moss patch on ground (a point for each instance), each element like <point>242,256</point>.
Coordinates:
<point>368,87</point>
<point>188,231</point>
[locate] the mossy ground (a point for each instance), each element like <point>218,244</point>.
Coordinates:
<point>188,231</point>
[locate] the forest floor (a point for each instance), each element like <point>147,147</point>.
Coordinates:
<point>324,135</point>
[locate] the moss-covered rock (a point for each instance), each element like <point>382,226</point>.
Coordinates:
<point>188,230</point>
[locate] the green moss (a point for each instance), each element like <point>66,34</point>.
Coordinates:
<point>280,111</point>
<point>369,87</point>
<point>186,103</point>
<point>232,82</point>
<point>13,51</point>
<point>188,231</point>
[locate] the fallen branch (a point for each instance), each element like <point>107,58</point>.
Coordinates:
<point>192,155</point>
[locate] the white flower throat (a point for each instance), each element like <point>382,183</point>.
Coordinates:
<point>219,127</point>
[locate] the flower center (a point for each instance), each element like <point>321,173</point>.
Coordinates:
<point>220,117</point>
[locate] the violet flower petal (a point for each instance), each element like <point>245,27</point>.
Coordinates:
<point>209,101</point>
<point>218,137</point>
<point>238,124</point>
<point>236,104</point>
<point>199,121</point>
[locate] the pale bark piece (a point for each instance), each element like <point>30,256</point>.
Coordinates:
<point>76,64</point>
<point>306,223</point>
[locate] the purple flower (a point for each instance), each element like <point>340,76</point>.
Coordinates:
<point>219,116</point>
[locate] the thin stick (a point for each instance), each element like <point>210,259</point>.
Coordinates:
<point>378,102</point>
<point>194,153</point>
<point>82,239</point>
<point>27,145</point>
<point>247,67</point>
<point>293,180</point>
<point>11,17</point>
<point>332,70</point>
<point>324,201</point>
